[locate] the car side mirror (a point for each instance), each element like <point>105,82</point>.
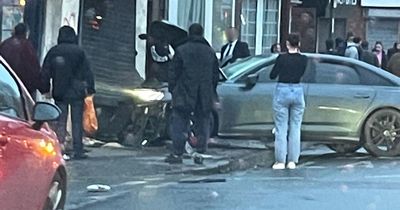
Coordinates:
<point>44,112</point>
<point>251,81</point>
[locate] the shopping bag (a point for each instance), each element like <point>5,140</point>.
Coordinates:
<point>90,124</point>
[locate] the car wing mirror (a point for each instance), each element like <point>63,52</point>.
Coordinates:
<point>44,112</point>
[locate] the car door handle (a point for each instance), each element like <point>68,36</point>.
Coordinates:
<point>361,96</point>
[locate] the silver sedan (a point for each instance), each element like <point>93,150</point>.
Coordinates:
<point>349,104</point>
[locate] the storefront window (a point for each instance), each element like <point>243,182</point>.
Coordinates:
<point>11,15</point>
<point>222,19</point>
<point>190,11</point>
<point>248,29</point>
<point>270,30</point>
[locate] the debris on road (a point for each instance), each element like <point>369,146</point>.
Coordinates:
<point>98,188</point>
<point>201,180</point>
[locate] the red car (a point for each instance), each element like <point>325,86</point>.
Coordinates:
<point>32,171</point>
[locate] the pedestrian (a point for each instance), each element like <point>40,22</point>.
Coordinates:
<point>368,56</point>
<point>234,49</point>
<point>351,48</point>
<point>68,67</point>
<point>380,53</point>
<point>358,42</point>
<point>329,47</point>
<point>22,58</point>
<point>288,103</point>
<point>340,46</point>
<point>193,78</point>
<point>394,50</point>
<point>276,48</point>
<point>394,64</point>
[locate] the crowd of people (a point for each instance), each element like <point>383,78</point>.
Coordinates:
<point>356,48</point>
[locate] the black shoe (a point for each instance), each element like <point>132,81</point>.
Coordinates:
<point>173,159</point>
<point>197,159</point>
<point>80,156</point>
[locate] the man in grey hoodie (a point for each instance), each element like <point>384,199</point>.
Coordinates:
<point>351,49</point>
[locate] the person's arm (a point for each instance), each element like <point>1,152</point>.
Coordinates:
<point>216,73</point>
<point>88,75</point>
<point>45,74</point>
<point>276,69</point>
<point>33,65</point>
<point>246,51</point>
<point>174,71</point>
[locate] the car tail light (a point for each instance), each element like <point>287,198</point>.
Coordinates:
<point>45,147</point>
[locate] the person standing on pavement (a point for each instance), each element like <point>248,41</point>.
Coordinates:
<point>276,48</point>
<point>380,53</point>
<point>21,56</point>
<point>394,50</point>
<point>329,47</point>
<point>288,103</point>
<point>68,67</point>
<point>193,78</point>
<point>340,46</point>
<point>351,49</point>
<point>394,64</point>
<point>368,56</point>
<point>234,49</point>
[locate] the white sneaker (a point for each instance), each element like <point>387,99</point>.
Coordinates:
<point>291,165</point>
<point>66,157</point>
<point>278,166</point>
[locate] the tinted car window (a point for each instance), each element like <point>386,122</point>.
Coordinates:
<point>332,73</point>
<point>370,78</point>
<point>10,96</point>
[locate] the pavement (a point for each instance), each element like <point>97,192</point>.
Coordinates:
<point>121,167</point>
<point>323,180</point>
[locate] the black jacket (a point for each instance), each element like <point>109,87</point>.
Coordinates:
<point>193,76</point>
<point>66,64</point>
<point>241,50</point>
<point>369,57</point>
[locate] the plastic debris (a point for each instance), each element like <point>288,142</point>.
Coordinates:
<point>98,188</point>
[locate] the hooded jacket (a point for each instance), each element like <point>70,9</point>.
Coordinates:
<point>352,50</point>
<point>67,63</point>
<point>193,76</point>
<point>21,56</point>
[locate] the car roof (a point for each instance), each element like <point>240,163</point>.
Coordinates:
<point>379,71</point>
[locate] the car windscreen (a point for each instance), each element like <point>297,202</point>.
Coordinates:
<point>233,70</point>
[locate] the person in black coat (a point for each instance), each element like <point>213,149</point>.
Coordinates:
<point>233,50</point>
<point>368,56</point>
<point>193,78</point>
<point>72,80</point>
<point>394,50</point>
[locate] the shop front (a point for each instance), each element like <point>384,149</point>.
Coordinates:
<point>257,20</point>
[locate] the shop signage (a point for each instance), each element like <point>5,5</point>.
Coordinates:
<point>347,2</point>
<point>380,3</point>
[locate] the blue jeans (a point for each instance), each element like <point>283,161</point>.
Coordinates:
<point>77,128</point>
<point>288,105</point>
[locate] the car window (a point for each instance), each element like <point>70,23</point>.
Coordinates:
<point>369,77</point>
<point>10,97</point>
<point>264,74</point>
<point>333,73</point>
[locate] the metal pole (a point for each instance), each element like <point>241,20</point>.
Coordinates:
<point>332,19</point>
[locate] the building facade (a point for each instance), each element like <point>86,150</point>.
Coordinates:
<point>257,20</point>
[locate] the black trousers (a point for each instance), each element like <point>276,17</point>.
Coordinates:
<point>77,128</point>
<point>180,129</point>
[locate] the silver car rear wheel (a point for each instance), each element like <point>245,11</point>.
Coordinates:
<point>382,133</point>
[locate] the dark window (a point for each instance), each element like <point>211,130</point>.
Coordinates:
<point>370,78</point>
<point>332,73</point>
<point>10,97</point>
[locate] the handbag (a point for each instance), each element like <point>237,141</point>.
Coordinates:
<point>90,124</point>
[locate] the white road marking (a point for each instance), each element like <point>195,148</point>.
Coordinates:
<point>383,176</point>
<point>160,185</point>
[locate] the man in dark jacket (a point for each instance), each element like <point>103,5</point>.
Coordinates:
<point>193,78</point>
<point>67,65</point>
<point>394,50</point>
<point>21,56</point>
<point>233,50</point>
<point>368,56</point>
